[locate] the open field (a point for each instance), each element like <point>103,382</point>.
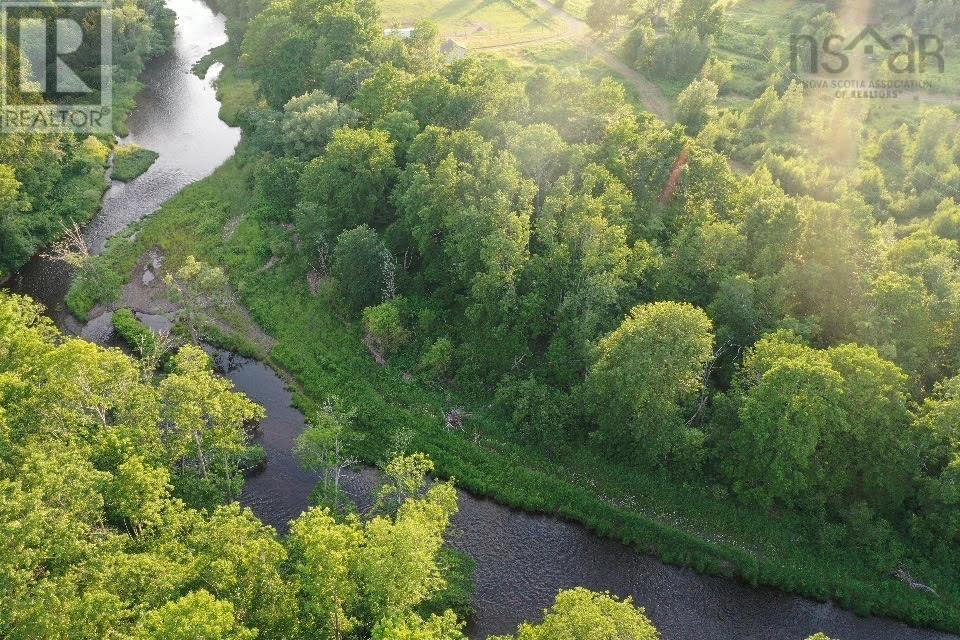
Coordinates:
<point>477,24</point>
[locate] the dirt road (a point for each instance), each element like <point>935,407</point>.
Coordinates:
<point>578,31</point>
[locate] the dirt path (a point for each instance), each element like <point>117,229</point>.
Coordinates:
<point>579,32</point>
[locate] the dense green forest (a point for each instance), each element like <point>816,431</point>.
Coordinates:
<point>601,285</point>
<point>52,180</point>
<point>780,343</point>
<point>611,283</point>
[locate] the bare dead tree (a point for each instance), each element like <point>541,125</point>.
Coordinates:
<point>389,276</point>
<point>71,249</point>
<point>707,372</point>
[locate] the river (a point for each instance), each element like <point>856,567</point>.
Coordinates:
<point>522,560</point>
<point>176,116</point>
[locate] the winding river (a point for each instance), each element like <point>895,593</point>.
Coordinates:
<point>522,560</point>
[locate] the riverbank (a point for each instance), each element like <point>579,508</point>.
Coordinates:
<point>685,526</point>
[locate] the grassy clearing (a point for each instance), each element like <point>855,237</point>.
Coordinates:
<point>694,526</point>
<point>576,8</point>
<point>477,24</point>
<point>131,161</point>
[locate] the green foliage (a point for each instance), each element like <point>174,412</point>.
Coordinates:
<point>287,46</point>
<point>697,104</point>
<point>350,183</point>
<point>717,71</point>
<point>355,573</point>
<point>436,363</point>
<point>131,161</point>
<point>529,211</point>
<point>603,15</point>
<point>384,325</point>
<point>195,614</point>
<point>579,613</point>
<point>646,371</point>
<point>49,181</point>
<point>310,121</point>
<point>679,55</point>
<point>937,422</point>
<point>803,410</point>
<point>198,288</point>
<point>704,16</point>
<point>277,188</point>
<point>792,550</point>
<point>122,556</point>
<point>149,346</point>
<point>324,449</point>
<point>361,266</point>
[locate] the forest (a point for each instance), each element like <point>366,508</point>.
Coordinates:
<point>609,282</point>
<point>142,541</point>
<point>755,307</point>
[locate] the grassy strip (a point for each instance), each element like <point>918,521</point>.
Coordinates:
<point>215,55</point>
<point>695,526</point>
<point>131,161</point>
<point>133,332</point>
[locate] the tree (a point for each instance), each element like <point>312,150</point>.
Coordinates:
<point>310,121</point>
<point>467,210</point>
<point>579,613</point>
<point>705,16</point>
<point>802,411</point>
<point>351,182</point>
<point>645,371</point>
<point>413,627</point>
<point>398,564</point>
<point>581,268</point>
<point>356,575</point>
<point>325,555</point>
<point>718,71</point>
<point>900,321</point>
<point>120,552</point>
<point>603,15</point>
<point>784,415</point>
<point>384,326</point>
<point>247,563</point>
<point>323,449</point>
<point>540,151</point>
<point>206,427</point>
<point>198,288</point>
<point>938,425</point>
<point>697,104</point>
<point>195,615</point>
<point>876,403</point>
<point>276,49</point>
<point>359,260</point>
<point>277,187</point>
<point>405,478</point>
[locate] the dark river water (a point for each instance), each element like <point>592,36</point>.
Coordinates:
<point>522,560</point>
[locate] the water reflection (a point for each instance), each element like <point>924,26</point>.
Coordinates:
<point>176,116</point>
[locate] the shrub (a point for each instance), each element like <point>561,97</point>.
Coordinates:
<point>437,361</point>
<point>140,338</point>
<point>383,324</point>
